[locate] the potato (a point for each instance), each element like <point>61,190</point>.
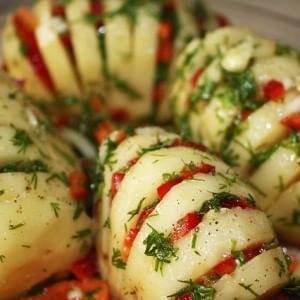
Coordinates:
<point>39,235</point>
<point>131,273</point>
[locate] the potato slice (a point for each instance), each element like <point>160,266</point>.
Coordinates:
<point>144,58</point>
<point>85,41</point>
<point>257,277</point>
<point>263,130</point>
<point>57,59</point>
<point>19,67</point>
<point>284,213</point>
<point>277,173</point>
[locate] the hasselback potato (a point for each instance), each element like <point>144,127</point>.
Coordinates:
<point>177,223</point>
<point>41,231</point>
<point>119,50</point>
<point>238,93</point>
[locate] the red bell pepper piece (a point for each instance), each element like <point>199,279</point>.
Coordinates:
<point>163,189</point>
<point>203,168</point>
<point>185,225</point>
<point>78,185</point>
<point>227,266</point>
<point>292,121</point>
<point>85,267</point>
<point>274,90</point>
<point>116,181</point>
<point>196,76</point>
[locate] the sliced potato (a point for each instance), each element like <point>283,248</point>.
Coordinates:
<point>85,41</point>
<point>56,57</point>
<point>19,67</point>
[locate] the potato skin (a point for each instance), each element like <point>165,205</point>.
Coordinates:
<point>39,235</point>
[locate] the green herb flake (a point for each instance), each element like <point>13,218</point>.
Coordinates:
<point>62,177</point>
<point>282,266</point>
<point>117,260</point>
<point>159,247</point>
<point>2,258</point>
<point>81,234</point>
<point>78,211</point>
<point>22,140</point>
<point>137,210</point>
<point>17,226</point>
<point>197,291</point>
<point>55,207</point>
<point>293,288</point>
<point>248,287</point>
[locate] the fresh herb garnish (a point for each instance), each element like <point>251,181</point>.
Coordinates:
<point>293,288</point>
<point>25,166</point>
<point>248,287</point>
<point>81,234</point>
<point>243,84</point>
<point>282,266</point>
<point>136,211</point>
<point>22,140</point>
<point>124,87</point>
<point>204,91</point>
<point>157,146</point>
<point>159,247</point>
<point>62,176</point>
<point>2,258</point>
<point>197,291</point>
<point>78,211</point>
<point>66,156</point>
<point>13,227</point>
<point>55,207</point>
<point>117,260</point>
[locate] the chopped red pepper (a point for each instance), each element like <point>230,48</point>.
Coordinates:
<point>203,168</point>
<point>227,266</point>
<point>245,114</point>
<point>132,233</point>
<point>96,8</point>
<point>62,120</point>
<point>116,180</point>
<point>253,251</point>
<point>185,225</point>
<point>163,189</point>
<point>222,20</point>
<point>187,296</point>
<point>95,104</point>
<point>293,264</point>
<point>132,162</point>
<point>120,115</point>
<point>242,203</point>
<point>121,136</point>
<point>196,76</point>
<point>165,30</point>
<point>102,131</point>
<point>274,90</point>
<point>25,23</point>
<point>189,144</point>
<point>78,185</point>
<point>165,52</point>
<point>292,121</point>
<point>128,242</point>
<point>85,267</point>
<point>159,91</point>
<point>58,10</point>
